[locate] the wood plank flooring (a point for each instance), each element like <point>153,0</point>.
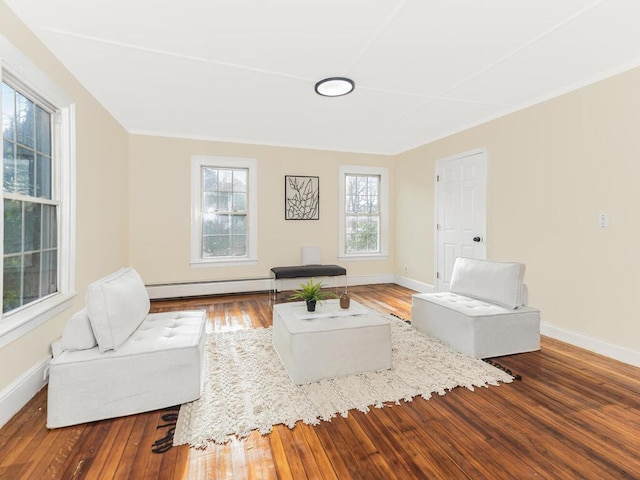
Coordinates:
<point>574,415</point>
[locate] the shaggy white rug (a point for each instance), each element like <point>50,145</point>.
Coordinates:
<point>247,388</point>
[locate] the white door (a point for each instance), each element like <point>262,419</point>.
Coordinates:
<point>461,209</point>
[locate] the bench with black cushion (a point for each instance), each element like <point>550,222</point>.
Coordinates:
<point>305,271</point>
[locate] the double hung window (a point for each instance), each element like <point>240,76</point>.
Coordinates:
<point>363,212</point>
<point>224,210</point>
<point>38,210</point>
<point>30,249</point>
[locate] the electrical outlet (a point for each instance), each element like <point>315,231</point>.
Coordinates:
<point>406,269</point>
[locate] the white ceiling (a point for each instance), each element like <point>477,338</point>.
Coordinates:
<point>244,70</point>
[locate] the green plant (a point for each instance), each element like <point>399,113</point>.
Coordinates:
<point>311,291</point>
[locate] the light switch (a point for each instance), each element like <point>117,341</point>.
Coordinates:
<point>603,220</point>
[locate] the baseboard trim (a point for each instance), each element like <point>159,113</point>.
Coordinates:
<point>18,393</point>
<point>616,352</point>
<point>420,287</point>
<point>370,279</point>
<point>201,289</point>
<point>225,287</point>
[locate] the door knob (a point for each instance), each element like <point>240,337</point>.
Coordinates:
<point>477,239</point>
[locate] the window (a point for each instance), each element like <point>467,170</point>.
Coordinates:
<point>363,211</point>
<point>224,210</point>
<point>30,253</point>
<point>38,159</point>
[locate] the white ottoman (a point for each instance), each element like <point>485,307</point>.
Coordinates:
<point>330,343</point>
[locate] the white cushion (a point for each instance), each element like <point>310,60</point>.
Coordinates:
<point>116,304</point>
<point>495,282</point>
<point>311,256</point>
<point>78,334</point>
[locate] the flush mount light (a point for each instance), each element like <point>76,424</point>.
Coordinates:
<point>335,86</point>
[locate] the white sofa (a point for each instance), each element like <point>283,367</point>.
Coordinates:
<point>484,313</point>
<point>115,359</point>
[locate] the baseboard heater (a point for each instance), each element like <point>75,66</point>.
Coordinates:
<point>201,289</point>
<point>250,285</point>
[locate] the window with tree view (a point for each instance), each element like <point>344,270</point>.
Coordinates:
<point>30,247</point>
<point>362,213</point>
<point>224,212</point>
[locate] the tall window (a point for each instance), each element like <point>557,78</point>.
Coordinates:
<point>363,214</point>
<point>223,210</point>
<point>38,196</point>
<point>30,250</point>
<point>362,210</point>
<point>224,213</point>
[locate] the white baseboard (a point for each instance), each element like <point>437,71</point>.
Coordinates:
<point>17,394</point>
<point>420,287</point>
<point>370,279</point>
<point>616,352</point>
<point>199,289</point>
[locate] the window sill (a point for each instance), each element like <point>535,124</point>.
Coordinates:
<point>16,325</point>
<point>241,262</point>
<point>365,257</point>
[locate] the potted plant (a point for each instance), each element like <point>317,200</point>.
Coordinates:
<point>311,293</point>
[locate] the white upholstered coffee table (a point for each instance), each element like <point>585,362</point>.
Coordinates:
<point>330,342</point>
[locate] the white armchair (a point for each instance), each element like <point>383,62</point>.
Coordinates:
<point>115,358</point>
<point>484,313</point>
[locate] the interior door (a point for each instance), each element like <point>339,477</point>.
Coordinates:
<point>461,189</point>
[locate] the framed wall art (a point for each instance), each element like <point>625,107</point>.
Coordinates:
<point>301,197</point>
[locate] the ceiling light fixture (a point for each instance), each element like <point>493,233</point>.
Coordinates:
<point>335,86</point>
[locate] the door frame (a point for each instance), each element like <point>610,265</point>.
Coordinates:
<point>436,205</point>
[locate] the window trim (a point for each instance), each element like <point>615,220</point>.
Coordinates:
<point>383,172</point>
<point>199,161</point>
<point>16,67</point>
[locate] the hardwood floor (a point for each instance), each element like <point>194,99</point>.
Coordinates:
<point>574,415</point>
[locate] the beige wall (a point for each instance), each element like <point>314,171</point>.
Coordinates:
<point>161,204</point>
<point>102,197</point>
<point>552,168</point>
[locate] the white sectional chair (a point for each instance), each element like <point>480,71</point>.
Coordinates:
<point>484,313</point>
<point>116,359</point>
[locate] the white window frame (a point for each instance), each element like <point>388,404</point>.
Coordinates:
<point>199,161</point>
<point>22,320</point>
<point>383,172</point>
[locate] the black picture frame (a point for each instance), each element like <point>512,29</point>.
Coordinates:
<point>301,197</point>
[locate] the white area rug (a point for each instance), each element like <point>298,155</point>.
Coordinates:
<point>247,388</point>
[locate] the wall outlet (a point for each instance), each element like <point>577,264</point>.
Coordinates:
<point>406,269</point>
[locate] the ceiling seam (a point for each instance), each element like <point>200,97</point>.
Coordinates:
<point>558,25</point>
<point>173,54</point>
<point>375,36</point>
<point>535,39</point>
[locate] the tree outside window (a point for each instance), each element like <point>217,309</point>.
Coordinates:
<point>224,212</point>
<point>362,213</point>
<point>30,248</point>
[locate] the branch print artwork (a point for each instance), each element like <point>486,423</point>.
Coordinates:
<point>301,197</point>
